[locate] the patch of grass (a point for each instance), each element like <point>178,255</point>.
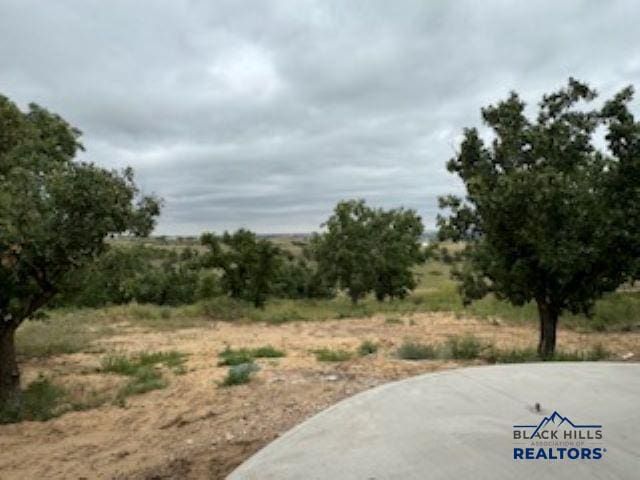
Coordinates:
<point>267,351</point>
<point>239,374</point>
<point>329,355</point>
<point>142,372</point>
<point>143,380</point>
<point>525,355</point>
<point>367,348</point>
<point>393,321</point>
<point>466,347</point>
<point>230,356</point>
<point>56,336</point>
<point>238,356</point>
<point>417,351</point>
<point>41,400</point>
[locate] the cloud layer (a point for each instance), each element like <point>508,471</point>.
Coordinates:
<point>265,114</point>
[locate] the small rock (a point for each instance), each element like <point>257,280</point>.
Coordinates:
<point>627,356</point>
<point>190,442</point>
<point>228,436</point>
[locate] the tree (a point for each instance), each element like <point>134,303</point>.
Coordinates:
<point>366,250</point>
<point>250,265</point>
<point>548,216</point>
<point>55,214</point>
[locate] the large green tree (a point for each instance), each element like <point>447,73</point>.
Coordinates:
<point>55,214</point>
<point>549,215</point>
<point>365,250</point>
<point>249,264</point>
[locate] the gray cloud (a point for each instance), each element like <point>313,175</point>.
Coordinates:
<point>265,114</point>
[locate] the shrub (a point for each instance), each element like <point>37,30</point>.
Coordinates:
<point>239,374</point>
<point>328,355</point>
<point>267,352</point>
<point>41,400</point>
<point>367,348</point>
<point>416,351</point>
<point>230,356</point>
<point>393,321</point>
<point>464,348</point>
<point>143,376</point>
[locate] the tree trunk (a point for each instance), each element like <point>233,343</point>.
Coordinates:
<point>548,323</point>
<point>9,373</point>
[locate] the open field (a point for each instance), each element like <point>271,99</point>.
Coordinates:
<point>145,391</point>
<point>194,428</point>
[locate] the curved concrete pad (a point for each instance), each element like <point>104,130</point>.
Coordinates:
<point>459,424</point>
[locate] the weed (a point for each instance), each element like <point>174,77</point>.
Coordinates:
<point>328,355</point>
<point>239,374</point>
<point>417,351</point>
<point>367,348</point>
<point>466,347</point>
<point>267,351</point>
<point>230,356</point>
<point>393,321</point>
<point>40,401</point>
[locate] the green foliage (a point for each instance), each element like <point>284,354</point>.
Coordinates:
<point>329,355</point>
<point>297,278</point>
<point>466,347</point>
<point>369,250</point>
<point>267,351</point>
<point>142,274</point>
<point>493,355</point>
<point>548,216</point>
<point>55,214</point>
<point>232,357</point>
<point>250,265</point>
<point>239,374</point>
<point>367,347</point>
<point>142,372</point>
<point>417,351</point>
<point>393,321</point>
<point>40,401</point>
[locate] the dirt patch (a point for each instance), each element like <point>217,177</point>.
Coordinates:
<point>193,429</point>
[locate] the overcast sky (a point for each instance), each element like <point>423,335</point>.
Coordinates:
<point>264,114</point>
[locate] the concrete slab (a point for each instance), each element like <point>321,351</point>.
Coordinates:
<point>459,424</point>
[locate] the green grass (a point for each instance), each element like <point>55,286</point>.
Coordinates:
<point>469,347</point>
<point>329,355</point>
<point>393,321</point>
<point>367,348</point>
<point>267,351</point>
<point>237,356</point>
<point>63,334</point>
<point>436,291</point>
<point>239,374</point>
<point>417,351</point>
<point>231,357</point>
<point>466,347</point>
<point>142,371</point>
<point>41,400</point>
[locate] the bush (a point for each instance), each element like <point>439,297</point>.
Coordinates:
<point>239,374</point>
<point>328,355</point>
<point>417,351</point>
<point>267,352</point>
<point>144,377</point>
<point>41,401</point>
<point>231,357</point>
<point>367,348</point>
<point>467,347</point>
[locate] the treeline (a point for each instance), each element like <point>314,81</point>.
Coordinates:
<point>362,251</point>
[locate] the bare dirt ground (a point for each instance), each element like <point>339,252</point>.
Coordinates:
<point>193,429</point>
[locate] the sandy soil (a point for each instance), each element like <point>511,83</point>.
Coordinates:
<point>193,429</point>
